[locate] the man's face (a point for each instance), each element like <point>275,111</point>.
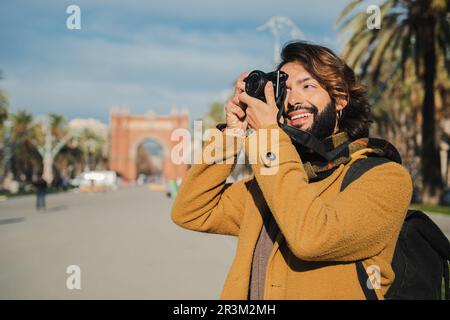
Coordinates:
<point>308,105</point>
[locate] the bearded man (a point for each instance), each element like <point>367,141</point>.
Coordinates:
<point>300,235</point>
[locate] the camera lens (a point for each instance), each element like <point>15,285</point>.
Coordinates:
<point>254,84</point>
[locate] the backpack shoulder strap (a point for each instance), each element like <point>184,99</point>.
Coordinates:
<point>357,169</point>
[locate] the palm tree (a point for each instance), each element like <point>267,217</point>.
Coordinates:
<point>58,125</point>
<point>3,105</point>
<point>3,134</point>
<point>216,114</point>
<point>24,158</point>
<point>52,136</point>
<point>93,147</point>
<point>412,31</point>
<point>395,111</point>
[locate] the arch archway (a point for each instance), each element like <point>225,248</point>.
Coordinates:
<point>129,132</point>
<point>150,159</point>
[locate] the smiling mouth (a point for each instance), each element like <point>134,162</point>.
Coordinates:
<point>300,117</point>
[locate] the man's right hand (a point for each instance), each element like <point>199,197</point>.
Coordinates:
<point>235,110</point>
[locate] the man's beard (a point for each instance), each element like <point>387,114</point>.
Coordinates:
<point>324,122</point>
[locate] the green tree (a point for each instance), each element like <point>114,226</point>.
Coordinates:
<point>215,114</point>
<point>4,104</point>
<point>93,147</point>
<point>52,135</point>
<point>416,32</point>
<point>24,158</point>
<point>58,125</point>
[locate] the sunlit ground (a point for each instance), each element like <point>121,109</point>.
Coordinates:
<point>124,242</point>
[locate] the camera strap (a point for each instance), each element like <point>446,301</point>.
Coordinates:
<point>304,138</point>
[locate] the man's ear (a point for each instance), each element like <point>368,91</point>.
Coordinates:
<point>341,104</point>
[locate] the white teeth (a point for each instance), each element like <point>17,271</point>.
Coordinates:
<point>303,115</point>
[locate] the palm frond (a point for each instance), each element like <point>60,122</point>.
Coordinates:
<point>346,11</point>
<point>387,44</point>
<point>357,22</point>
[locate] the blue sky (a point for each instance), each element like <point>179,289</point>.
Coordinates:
<point>149,55</point>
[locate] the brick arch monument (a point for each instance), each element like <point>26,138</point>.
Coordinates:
<point>128,131</point>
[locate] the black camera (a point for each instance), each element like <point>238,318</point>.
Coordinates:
<point>254,86</point>
<point>256,81</point>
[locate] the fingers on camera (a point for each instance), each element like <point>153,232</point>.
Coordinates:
<point>243,75</point>
<point>240,84</point>
<point>268,91</point>
<point>232,107</point>
<point>235,100</point>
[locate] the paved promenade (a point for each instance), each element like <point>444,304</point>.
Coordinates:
<point>124,242</point>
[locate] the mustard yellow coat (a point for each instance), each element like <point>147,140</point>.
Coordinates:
<point>322,231</point>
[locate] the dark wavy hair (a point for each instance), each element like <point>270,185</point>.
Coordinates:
<point>335,76</point>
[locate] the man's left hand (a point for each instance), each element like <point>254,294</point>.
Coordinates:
<point>260,114</point>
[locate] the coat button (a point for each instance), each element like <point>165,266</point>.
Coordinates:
<point>271,156</point>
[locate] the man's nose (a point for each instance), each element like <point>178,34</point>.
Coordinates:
<point>294,98</point>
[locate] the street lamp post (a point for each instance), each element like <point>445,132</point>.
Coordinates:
<point>277,26</point>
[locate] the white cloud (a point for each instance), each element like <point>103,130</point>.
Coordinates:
<point>145,54</point>
<point>92,74</point>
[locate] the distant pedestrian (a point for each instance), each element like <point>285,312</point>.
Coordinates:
<point>65,183</point>
<point>41,188</point>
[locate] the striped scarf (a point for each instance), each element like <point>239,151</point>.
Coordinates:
<point>317,168</point>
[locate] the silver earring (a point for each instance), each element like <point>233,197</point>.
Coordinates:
<point>339,114</point>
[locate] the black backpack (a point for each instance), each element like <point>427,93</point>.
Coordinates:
<point>421,255</point>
